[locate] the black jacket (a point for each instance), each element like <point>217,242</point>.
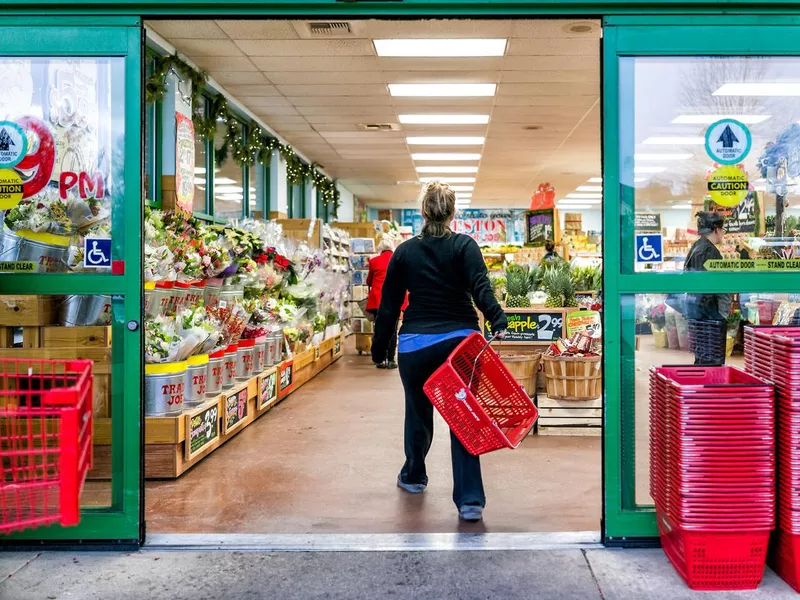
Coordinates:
<point>705,306</point>
<point>442,275</point>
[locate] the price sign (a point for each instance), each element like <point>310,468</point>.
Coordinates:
<point>337,345</point>
<point>268,389</point>
<point>531,327</point>
<point>235,410</point>
<point>647,222</point>
<point>539,227</point>
<point>286,377</point>
<point>203,428</point>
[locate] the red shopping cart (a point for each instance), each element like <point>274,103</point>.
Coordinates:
<point>480,399</point>
<point>45,441</point>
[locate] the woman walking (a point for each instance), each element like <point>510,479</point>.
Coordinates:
<point>443,272</point>
<point>375,279</point>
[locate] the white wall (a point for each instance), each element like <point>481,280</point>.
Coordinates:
<point>347,205</point>
<point>591,220</point>
<point>277,182</point>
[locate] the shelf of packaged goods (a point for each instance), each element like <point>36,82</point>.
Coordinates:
<point>175,444</point>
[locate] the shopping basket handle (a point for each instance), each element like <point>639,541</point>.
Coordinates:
<point>475,362</point>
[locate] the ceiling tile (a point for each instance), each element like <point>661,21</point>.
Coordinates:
<point>316,63</point>
<point>187,29</point>
<point>264,102</point>
<point>229,78</point>
<point>548,89</point>
<point>547,63</point>
<point>326,48</point>
<point>258,30</point>
<point>539,47</point>
<point>582,76</point>
<point>213,64</point>
<point>253,90</point>
<point>376,101</point>
<point>277,111</point>
<point>333,90</point>
<point>327,77</point>
<point>206,47</point>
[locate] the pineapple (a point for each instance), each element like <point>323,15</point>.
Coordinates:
<point>568,291</point>
<point>553,283</point>
<point>518,285</point>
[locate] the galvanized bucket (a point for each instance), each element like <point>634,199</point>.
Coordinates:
<point>49,258</point>
<point>196,294</point>
<point>216,369</point>
<point>260,358</point>
<point>196,380</point>
<point>229,366</point>
<point>84,311</point>
<point>10,248</point>
<point>160,299</point>
<point>164,389</point>
<point>245,359</point>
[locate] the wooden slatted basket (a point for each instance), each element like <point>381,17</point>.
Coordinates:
<point>524,368</point>
<point>573,377</point>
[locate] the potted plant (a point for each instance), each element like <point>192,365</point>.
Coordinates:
<point>734,320</point>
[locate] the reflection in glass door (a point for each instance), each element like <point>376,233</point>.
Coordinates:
<point>701,175</point>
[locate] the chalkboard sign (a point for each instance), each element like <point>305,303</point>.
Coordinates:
<point>742,217</point>
<point>202,429</point>
<point>647,222</point>
<point>531,327</point>
<point>268,389</point>
<point>337,345</point>
<point>286,377</point>
<point>539,226</point>
<point>235,409</point>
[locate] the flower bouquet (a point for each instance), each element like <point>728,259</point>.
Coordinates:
<point>232,319</point>
<point>44,213</point>
<point>196,321</point>
<point>165,340</point>
<point>658,320</point>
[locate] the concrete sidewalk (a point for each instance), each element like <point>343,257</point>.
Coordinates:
<point>175,575</point>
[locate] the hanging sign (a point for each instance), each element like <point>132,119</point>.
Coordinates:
<point>539,226</point>
<point>543,197</point>
<point>483,231</point>
<point>728,141</point>
<point>647,222</point>
<point>184,163</point>
<point>728,185</point>
<point>13,144</point>
<point>202,427</point>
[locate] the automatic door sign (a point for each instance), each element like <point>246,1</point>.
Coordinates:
<point>728,186</point>
<point>13,144</point>
<point>11,189</point>
<point>728,141</point>
<point>97,252</point>
<point>649,248</point>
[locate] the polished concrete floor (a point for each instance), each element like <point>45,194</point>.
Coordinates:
<point>326,460</point>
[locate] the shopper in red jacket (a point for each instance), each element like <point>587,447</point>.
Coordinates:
<point>375,278</point>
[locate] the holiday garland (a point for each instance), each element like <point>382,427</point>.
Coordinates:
<point>258,147</point>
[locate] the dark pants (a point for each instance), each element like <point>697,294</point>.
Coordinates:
<point>391,352</point>
<point>415,369</point>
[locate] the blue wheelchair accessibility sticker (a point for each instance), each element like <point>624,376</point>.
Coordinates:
<point>97,252</point>
<point>649,248</point>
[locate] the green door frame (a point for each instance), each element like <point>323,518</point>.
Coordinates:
<point>624,520</point>
<point>104,37</point>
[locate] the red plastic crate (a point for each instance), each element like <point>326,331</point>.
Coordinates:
<point>494,411</point>
<point>714,560</point>
<point>45,441</point>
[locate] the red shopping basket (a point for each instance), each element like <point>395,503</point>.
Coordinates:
<point>45,441</point>
<point>480,399</point>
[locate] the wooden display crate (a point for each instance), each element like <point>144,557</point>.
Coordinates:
<point>569,417</point>
<point>18,311</point>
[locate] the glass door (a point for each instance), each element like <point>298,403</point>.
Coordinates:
<point>702,190</point>
<point>70,269</point>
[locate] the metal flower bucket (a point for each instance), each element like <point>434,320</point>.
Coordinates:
<point>85,311</point>
<point>48,257</point>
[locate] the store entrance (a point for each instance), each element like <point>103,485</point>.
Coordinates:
<point>313,137</point>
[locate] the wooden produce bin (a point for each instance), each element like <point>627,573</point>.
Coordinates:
<point>573,403</point>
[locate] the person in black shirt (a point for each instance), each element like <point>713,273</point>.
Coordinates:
<point>709,312</point>
<point>443,272</point>
<point>550,248</point>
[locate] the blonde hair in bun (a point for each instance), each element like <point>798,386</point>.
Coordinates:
<point>438,208</point>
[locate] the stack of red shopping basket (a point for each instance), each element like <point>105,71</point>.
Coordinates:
<point>712,473</point>
<point>775,354</point>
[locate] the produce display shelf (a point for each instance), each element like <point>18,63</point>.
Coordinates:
<point>173,445</point>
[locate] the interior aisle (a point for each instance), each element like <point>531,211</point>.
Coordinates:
<point>326,461</point>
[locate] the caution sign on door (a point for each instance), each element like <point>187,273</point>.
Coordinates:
<point>728,185</point>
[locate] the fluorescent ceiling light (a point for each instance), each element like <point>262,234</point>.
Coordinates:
<point>596,180</point>
<point>675,141</point>
<point>759,89</point>
<point>441,47</point>
<point>466,202</point>
<point>200,170</point>
<point>446,141</point>
<point>579,201</point>
<point>446,179</point>
<point>574,206</point>
<point>444,119</point>
<point>462,188</point>
<point>709,119</point>
<point>199,180</point>
<point>445,156</point>
<point>446,169</point>
<point>582,196</point>
<point>230,196</point>
<point>589,188</point>
<point>659,156</point>
<point>442,90</point>
<point>638,169</point>
<point>228,189</point>
<point>223,181</point>
<point>681,207</point>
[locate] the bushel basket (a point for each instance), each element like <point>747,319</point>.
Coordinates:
<point>573,377</point>
<point>481,401</point>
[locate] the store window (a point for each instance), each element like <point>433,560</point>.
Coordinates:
<point>62,154</point>
<point>711,135</point>
<point>200,203</point>
<point>228,180</point>
<point>150,145</point>
<point>255,189</point>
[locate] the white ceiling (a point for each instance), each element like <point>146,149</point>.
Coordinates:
<point>316,93</point>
